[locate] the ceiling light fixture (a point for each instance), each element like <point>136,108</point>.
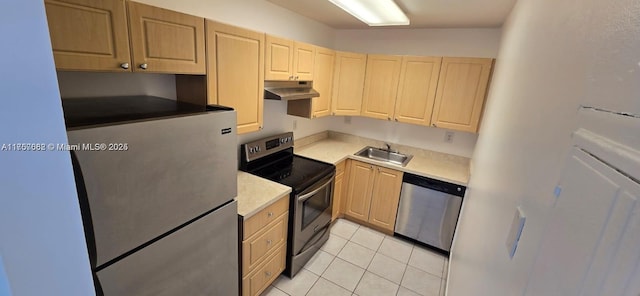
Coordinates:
<point>374,12</point>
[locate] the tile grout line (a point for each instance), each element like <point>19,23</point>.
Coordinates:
<point>332,260</point>
<point>367,268</point>
<point>316,281</point>
<point>376,252</point>
<point>394,259</point>
<point>328,280</point>
<point>405,272</point>
<point>274,287</point>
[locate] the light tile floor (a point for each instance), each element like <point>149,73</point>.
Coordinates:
<point>357,260</point>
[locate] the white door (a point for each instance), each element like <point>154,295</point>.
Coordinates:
<point>592,244</point>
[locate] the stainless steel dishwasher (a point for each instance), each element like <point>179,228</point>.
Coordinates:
<point>428,210</point>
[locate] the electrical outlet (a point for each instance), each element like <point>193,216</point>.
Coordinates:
<point>295,124</point>
<point>448,137</point>
<point>347,119</point>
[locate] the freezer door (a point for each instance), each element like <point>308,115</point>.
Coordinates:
<point>200,259</point>
<point>427,215</point>
<point>171,171</point>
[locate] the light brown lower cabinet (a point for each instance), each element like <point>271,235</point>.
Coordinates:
<point>264,247</point>
<point>372,195</point>
<point>257,281</point>
<point>338,190</point>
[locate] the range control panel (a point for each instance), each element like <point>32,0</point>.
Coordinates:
<point>263,147</point>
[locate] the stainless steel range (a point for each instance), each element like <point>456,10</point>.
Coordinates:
<point>312,185</point>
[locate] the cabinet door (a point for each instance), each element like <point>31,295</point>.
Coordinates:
<point>361,177</point>
<point>348,83</point>
<point>89,35</point>
<point>381,86</point>
<point>461,93</point>
<point>304,56</point>
<point>417,89</point>
<point>385,198</point>
<point>236,72</point>
<point>337,190</point>
<point>323,81</point>
<point>166,41</point>
<point>279,59</point>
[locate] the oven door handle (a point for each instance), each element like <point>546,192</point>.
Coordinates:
<point>306,196</point>
<point>316,237</point>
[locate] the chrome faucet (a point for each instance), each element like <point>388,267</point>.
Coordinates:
<point>388,149</point>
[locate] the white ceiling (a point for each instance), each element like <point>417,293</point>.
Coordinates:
<point>422,13</point>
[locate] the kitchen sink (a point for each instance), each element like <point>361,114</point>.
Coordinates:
<point>384,155</point>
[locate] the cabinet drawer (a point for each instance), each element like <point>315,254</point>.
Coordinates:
<point>259,279</point>
<point>264,217</point>
<point>258,246</point>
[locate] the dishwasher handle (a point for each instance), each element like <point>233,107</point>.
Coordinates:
<point>437,185</point>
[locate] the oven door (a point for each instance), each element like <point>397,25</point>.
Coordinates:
<point>312,213</point>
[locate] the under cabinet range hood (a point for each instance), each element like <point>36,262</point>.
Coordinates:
<point>289,90</point>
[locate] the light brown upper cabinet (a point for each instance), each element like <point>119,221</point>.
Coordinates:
<point>236,72</point>
<point>95,35</point>
<point>461,93</point>
<point>381,86</point>
<point>417,89</point>
<point>323,81</point>
<point>288,60</point>
<point>166,41</point>
<point>89,35</point>
<point>304,56</point>
<point>348,83</point>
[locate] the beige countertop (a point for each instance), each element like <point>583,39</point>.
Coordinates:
<point>424,163</point>
<point>255,193</point>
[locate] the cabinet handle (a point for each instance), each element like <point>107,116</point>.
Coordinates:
<point>143,66</point>
<point>269,242</point>
<point>388,118</point>
<point>333,113</point>
<point>260,127</point>
<point>291,77</point>
<point>267,273</point>
<point>297,77</point>
<point>434,125</point>
<point>371,167</point>
<point>124,66</point>
<point>378,170</point>
<point>396,120</point>
<point>269,214</point>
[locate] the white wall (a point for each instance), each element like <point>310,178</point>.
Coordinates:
<point>481,43</point>
<point>406,134</point>
<point>41,237</point>
<point>554,56</point>
<point>277,121</point>
<point>92,84</point>
<point>428,42</point>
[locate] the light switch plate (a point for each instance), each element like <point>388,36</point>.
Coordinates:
<point>517,225</point>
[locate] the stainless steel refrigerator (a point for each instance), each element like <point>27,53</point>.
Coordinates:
<point>156,182</point>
